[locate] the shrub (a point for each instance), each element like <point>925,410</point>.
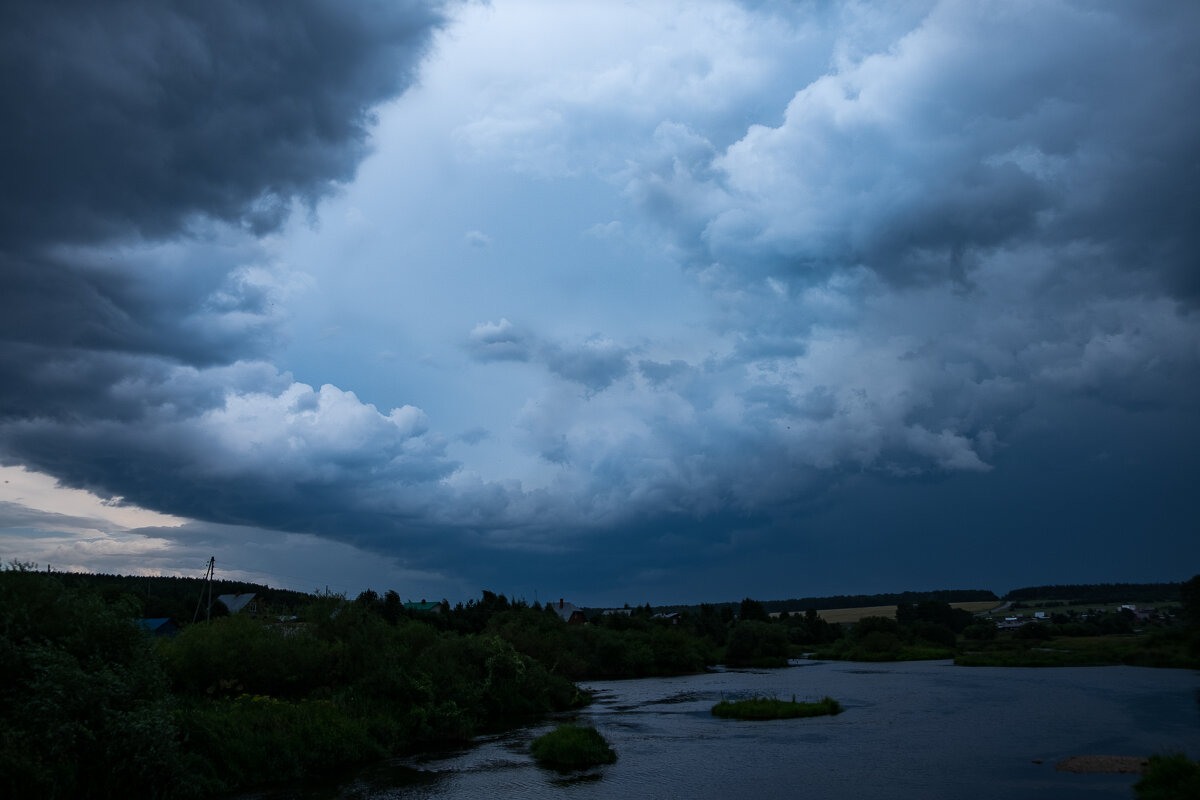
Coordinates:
<point>572,747</point>
<point>82,697</point>
<point>984,630</point>
<point>1173,777</point>
<point>935,633</point>
<point>758,644</point>
<point>1033,632</point>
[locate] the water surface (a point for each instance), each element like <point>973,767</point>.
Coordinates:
<point>909,730</point>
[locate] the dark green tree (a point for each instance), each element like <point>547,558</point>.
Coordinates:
<point>83,697</point>
<point>1189,594</point>
<point>753,610</point>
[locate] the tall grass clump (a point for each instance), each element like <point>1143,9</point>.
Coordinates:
<point>572,747</point>
<point>1173,777</point>
<point>757,708</point>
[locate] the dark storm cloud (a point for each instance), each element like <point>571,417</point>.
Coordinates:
<point>129,118</point>
<point>145,145</point>
<point>139,121</point>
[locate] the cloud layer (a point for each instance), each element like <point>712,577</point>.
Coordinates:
<point>928,241</point>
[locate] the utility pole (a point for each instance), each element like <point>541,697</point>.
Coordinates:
<point>208,575</point>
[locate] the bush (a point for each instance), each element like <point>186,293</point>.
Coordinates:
<point>935,633</point>
<point>572,747</point>
<point>757,644</point>
<point>270,660</point>
<point>1173,777</point>
<point>82,697</point>
<point>252,739</point>
<point>984,630</point>
<point>1033,632</point>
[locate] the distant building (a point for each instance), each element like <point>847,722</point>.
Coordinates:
<point>424,608</point>
<point>569,612</point>
<point>247,602</point>
<point>159,626</point>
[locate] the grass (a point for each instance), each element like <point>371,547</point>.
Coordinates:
<point>757,708</point>
<point>1153,650</point>
<point>843,650</point>
<point>572,747</point>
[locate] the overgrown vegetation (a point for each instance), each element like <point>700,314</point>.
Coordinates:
<point>761,708</point>
<point>1169,777</point>
<point>572,747</point>
<point>83,698</point>
<point>93,707</point>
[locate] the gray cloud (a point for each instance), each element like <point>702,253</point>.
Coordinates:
<point>500,341</point>
<point>594,363</point>
<point>932,268</point>
<point>918,160</point>
<point>939,242</point>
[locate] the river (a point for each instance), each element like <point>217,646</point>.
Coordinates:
<point>923,729</point>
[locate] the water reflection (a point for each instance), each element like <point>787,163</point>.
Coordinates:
<point>918,729</point>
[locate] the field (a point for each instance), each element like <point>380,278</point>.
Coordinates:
<point>839,615</point>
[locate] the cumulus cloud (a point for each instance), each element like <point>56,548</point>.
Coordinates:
<point>916,160</point>
<point>272,452</point>
<point>938,242</point>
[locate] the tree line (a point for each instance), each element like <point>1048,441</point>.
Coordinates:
<point>1099,593</point>
<point>801,604</point>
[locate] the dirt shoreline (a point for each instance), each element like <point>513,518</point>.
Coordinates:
<point>1099,764</point>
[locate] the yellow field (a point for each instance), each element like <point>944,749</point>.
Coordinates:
<point>855,614</point>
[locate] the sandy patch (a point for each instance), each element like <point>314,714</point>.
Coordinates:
<point>1093,764</point>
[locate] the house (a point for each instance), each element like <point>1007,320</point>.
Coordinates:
<point>671,618</point>
<point>247,602</point>
<point>159,626</point>
<point>424,608</point>
<point>569,612</point>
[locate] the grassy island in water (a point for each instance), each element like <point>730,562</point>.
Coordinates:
<point>572,747</point>
<point>757,708</point>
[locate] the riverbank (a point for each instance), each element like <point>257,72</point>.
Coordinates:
<point>911,729</point>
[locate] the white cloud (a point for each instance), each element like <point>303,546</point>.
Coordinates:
<point>478,239</point>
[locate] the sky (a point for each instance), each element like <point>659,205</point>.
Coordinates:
<point>666,302</point>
